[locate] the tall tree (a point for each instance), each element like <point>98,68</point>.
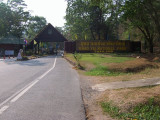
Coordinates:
<point>19,15</point>
<point>152,8</point>
<point>36,23</point>
<point>136,11</point>
<point>6,19</point>
<point>77,19</point>
<point>95,19</point>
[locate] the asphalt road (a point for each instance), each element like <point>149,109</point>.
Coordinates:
<point>40,89</point>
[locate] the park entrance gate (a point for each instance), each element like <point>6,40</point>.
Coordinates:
<point>49,38</point>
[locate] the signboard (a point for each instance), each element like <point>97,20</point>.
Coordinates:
<point>9,52</point>
<point>103,46</point>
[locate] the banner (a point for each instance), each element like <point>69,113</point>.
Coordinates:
<point>103,46</point>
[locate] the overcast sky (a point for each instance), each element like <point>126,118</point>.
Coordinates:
<point>52,10</point>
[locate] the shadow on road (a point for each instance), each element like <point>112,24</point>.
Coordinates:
<point>33,62</point>
<point>26,63</point>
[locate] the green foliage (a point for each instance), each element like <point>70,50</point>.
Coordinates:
<point>147,111</point>
<point>6,19</point>
<point>36,23</point>
<point>16,21</point>
<point>108,19</point>
<point>109,108</point>
<point>29,52</point>
<point>19,17</point>
<point>143,15</point>
<point>91,19</point>
<point>77,57</point>
<point>24,58</point>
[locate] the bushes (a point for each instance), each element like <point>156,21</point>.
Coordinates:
<point>29,52</point>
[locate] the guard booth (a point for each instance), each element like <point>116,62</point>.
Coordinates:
<point>49,39</point>
<point>10,45</point>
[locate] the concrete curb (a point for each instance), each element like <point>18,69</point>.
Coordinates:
<point>127,84</point>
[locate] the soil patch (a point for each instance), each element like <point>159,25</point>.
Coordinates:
<point>133,66</point>
<point>126,99</point>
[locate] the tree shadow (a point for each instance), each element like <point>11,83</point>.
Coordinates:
<point>26,63</point>
<point>32,62</point>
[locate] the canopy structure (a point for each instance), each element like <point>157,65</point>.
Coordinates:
<point>49,34</point>
<point>11,40</point>
<point>10,43</point>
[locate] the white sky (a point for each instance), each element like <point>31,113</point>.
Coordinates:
<point>52,10</point>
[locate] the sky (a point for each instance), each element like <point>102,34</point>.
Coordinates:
<point>52,10</point>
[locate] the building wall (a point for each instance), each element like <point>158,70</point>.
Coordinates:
<point>14,47</point>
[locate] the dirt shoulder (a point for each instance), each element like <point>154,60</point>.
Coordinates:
<point>93,109</point>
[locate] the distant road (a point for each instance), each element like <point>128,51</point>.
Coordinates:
<point>40,89</point>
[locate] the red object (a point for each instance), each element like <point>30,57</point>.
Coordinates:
<point>4,57</point>
<point>9,56</point>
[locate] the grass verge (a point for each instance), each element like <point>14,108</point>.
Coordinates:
<point>98,61</point>
<point>145,111</point>
<point>103,71</point>
<point>116,67</point>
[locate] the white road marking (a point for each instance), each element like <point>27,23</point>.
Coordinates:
<point>31,85</point>
<point>22,91</point>
<point>48,70</point>
<point>8,99</point>
<point>3,109</point>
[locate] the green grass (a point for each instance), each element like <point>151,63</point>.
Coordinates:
<point>103,71</point>
<point>148,111</point>
<point>98,59</point>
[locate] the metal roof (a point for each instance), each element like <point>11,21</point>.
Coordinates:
<point>11,40</point>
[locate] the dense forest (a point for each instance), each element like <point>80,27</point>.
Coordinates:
<point>114,20</point>
<point>16,21</point>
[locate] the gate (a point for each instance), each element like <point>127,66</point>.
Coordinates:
<point>70,46</point>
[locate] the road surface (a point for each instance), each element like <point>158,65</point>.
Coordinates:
<point>40,89</point>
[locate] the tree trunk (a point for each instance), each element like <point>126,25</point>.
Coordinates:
<point>92,34</point>
<point>151,45</point>
<point>38,48</point>
<point>99,35</point>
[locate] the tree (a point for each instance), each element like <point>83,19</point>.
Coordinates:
<point>19,17</point>
<point>77,19</point>
<point>36,23</point>
<point>92,19</point>
<point>137,12</point>
<point>152,8</point>
<point>6,19</point>
<point>60,29</point>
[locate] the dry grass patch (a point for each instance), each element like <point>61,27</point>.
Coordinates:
<point>134,66</point>
<point>126,99</point>
<point>140,68</point>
